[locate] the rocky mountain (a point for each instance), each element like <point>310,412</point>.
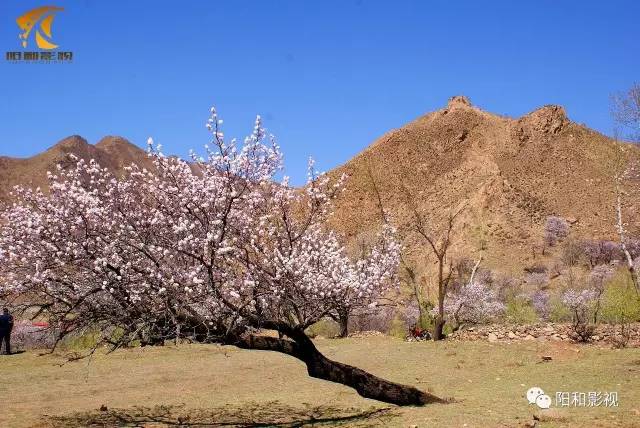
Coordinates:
<point>508,174</point>
<point>112,152</point>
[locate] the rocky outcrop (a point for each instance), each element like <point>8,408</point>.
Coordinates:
<point>545,121</point>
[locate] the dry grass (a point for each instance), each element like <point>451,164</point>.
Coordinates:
<point>195,385</point>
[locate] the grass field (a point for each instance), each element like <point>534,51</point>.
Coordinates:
<point>198,385</point>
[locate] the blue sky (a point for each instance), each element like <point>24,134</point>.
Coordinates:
<point>329,77</point>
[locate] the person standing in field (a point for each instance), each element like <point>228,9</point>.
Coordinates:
<point>6,325</point>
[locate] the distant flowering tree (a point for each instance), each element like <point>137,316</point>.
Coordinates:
<point>213,249</point>
<point>537,279</point>
<point>555,229</point>
<point>598,277</point>
<point>601,252</point>
<point>472,303</point>
<point>581,304</point>
<point>540,302</point>
<point>351,302</point>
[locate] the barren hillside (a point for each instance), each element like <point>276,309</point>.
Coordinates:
<point>510,174</point>
<point>112,152</point>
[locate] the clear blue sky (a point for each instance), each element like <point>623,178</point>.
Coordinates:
<point>329,77</point>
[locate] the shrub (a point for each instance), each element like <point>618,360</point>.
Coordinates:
<point>540,303</point>
<point>379,319</point>
<point>324,328</point>
<point>537,279</point>
<point>84,339</point>
<point>411,317</point>
<point>558,312</point>
<point>397,328</point>
<point>472,303</point>
<point>581,303</point>
<point>485,276</point>
<point>599,276</point>
<point>555,229</point>
<point>600,252</point>
<point>572,253</point>
<point>620,302</point>
<point>507,287</point>
<point>519,310</point>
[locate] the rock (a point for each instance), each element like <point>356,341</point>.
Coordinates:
<point>492,337</point>
<point>511,335</point>
<point>547,358</point>
<point>529,337</point>
<point>458,101</point>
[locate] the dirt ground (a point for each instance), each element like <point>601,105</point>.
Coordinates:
<point>199,385</point>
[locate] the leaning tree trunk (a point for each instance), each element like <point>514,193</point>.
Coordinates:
<point>319,366</point>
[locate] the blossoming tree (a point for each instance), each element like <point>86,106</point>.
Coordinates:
<point>474,302</point>
<point>213,249</point>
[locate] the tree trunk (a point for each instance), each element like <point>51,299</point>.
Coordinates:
<point>438,333</point>
<point>319,366</point>
<point>440,321</point>
<point>344,323</point>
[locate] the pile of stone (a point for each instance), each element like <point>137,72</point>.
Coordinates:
<point>604,333</point>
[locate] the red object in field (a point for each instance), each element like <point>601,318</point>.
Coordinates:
<point>40,324</point>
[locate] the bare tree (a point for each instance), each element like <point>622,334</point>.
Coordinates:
<point>439,242</point>
<point>555,229</point>
<point>625,108</point>
<point>419,291</point>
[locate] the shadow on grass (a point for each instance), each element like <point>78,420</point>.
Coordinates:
<point>272,414</point>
